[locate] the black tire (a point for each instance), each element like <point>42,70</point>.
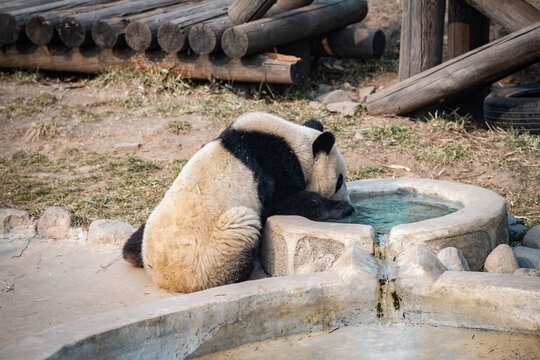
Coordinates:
<point>515,106</point>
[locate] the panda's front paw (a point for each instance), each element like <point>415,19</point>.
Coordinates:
<point>341,210</point>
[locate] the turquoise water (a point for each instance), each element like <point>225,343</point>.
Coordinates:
<point>384,211</point>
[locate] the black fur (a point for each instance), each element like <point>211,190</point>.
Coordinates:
<point>278,173</point>
<point>132,250</point>
<point>324,142</point>
<point>314,124</point>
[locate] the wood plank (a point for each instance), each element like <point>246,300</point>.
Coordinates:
<point>271,68</point>
<point>476,68</point>
<point>322,17</point>
<point>511,14</point>
<point>292,4</point>
<point>422,30</point>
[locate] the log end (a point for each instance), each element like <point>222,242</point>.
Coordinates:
<point>234,43</point>
<point>202,39</point>
<point>138,36</point>
<point>71,32</point>
<point>104,35</point>
<point>9,29</point>
<point>171,37</point>
<point>39,30</point>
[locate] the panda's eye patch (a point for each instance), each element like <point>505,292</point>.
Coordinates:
<point>339,182</point>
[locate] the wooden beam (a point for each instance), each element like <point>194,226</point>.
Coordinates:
<point>271,68</point>
<point>322,17</point>
<point>243,11</point>
<point>422,30</point>
<point>511,14</point>
<point>476,68</point>
<point>351,42</point>
<point>467,28</point>
<point>13,23</point>
<point>292,4</point>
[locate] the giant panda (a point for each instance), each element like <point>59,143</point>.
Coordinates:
<point>204,231</point>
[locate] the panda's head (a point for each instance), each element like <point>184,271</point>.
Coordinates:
<point>327,176</point>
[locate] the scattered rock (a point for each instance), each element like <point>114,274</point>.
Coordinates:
<point>55,223</point>
<point>453,259</point>
<point>527,257</point>
<point>346,108</point>
<point>9,218</point>
<point>335,96</point>
<point>348,87</point>
<point>314,104</point>
<point>532,237</point>
<point>516,229</point>
<point>127,147</point>
<point>324,88</point>
<point>501,260</point>
<point>527,272</point>
<point>386,142</point>
<point>364,92</point>
<point>107,231</point>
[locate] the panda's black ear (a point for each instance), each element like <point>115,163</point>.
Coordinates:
<point>324,142</point>
<point>314,124</point>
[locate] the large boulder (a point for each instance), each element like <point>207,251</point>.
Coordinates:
<point>107,231</point>
<point>9,218</point>
<point>55,223</point>
<point>532,237</point>
<point>501,260</point>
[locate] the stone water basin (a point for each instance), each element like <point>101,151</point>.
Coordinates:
<point>336,294</point>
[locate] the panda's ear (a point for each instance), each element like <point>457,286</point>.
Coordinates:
<point>324,142</point>
<point>314,124</point>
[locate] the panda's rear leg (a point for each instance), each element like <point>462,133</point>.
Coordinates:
<point>132,250</point>
<point>312,206</point>
<point>237,234</point>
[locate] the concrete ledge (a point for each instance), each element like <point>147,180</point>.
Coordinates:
<point>296,245</point>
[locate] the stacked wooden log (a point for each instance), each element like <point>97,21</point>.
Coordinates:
<point>237,28</point>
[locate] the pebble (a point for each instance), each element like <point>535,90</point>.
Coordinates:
<point>501,260</point>
<point>55,223</point>
<point>453,259</point>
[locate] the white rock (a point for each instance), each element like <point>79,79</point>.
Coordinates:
<point>532,237</point>
<point>453,259</point>
<point>418,268</point>
<point>528,257</point>
<point>127,147</point>
<point>107,231</point>
<point>9,218</point>
<point>55,223</point>
<point>334,97</point>
<point>364,92</point>
<point>527,272</point>
<point>346,108</point>
<point>501,260</point>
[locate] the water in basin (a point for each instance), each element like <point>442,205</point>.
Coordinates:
<point>386,210</point>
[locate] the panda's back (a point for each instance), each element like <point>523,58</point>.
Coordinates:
<point>183,226</point>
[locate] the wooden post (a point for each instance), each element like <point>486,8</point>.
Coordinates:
<point>324,16</point>
<point>475,68</point>
<point>74,30</point>
<point>422,30</point>
<point>351,42</point>
<point>243,11</point>
<point>467,28</point>
<point>511,14</point>
<point>272,68</point>
<point>13,23</point>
